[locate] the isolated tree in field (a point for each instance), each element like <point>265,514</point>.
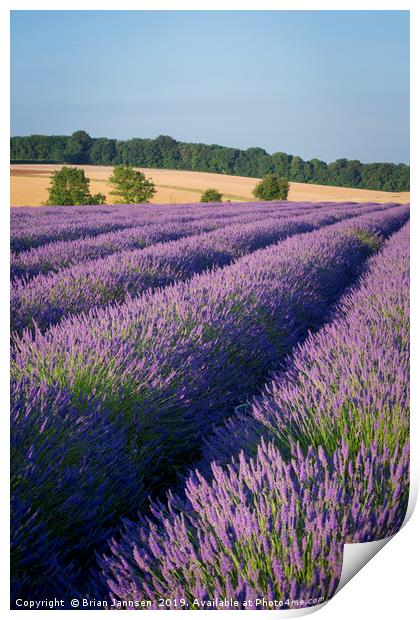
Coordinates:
<point>69,186</point>
<point>272,187</point>
<point>131,186</point>
<point>211,195</point>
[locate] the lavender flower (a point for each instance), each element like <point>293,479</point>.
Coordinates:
<point>46,299</point>
<point>275,524</point>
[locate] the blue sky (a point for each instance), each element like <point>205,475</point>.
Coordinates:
<point>324,84</point>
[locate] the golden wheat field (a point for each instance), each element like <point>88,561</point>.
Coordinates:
<point>29,183</point>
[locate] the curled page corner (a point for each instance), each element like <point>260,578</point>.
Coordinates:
<point>356,556</point>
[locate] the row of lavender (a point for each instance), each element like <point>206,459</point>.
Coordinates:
<point>22,218</point>
<point>59,254</point>
<point>331,466</point>
<point>45,300</point>
<point>53,224</point>
<point>109,407</point>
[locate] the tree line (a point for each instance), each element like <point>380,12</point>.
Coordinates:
<point>165,152</point>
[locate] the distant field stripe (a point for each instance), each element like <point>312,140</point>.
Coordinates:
<point>200,190</point>
<point>42,175</point>
<point>46,299</point>
<point>196,190</point>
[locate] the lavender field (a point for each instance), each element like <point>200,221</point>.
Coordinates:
<point>208,400</point>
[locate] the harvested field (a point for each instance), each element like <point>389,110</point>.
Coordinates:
<point>29,183</point>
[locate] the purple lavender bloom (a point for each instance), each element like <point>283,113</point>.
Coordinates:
<point>136,234</point>
<point>112,403</point>
<point>32,228</point>
<point>46,299</point>
<point>290,508</point>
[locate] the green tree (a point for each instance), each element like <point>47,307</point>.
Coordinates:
<point>297,169</point>
<point>69,186</point>
<point>281,162</point>
<point>77,148</point>
<point>131,186</point>
<point>211,195</point>
<point>272,187</point>
<point>319,171</point>
<point>169,154</point>
<point>102,152</point>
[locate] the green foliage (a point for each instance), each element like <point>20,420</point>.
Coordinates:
<point>211,195</point>
<point>77,148</point>
<point>165,152</point>
<point>131,186</point>
<point>69,186</point>
<point>102,152</point>
<point>272,187</point>
<point>373,242</point>
<point>38,148</point>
